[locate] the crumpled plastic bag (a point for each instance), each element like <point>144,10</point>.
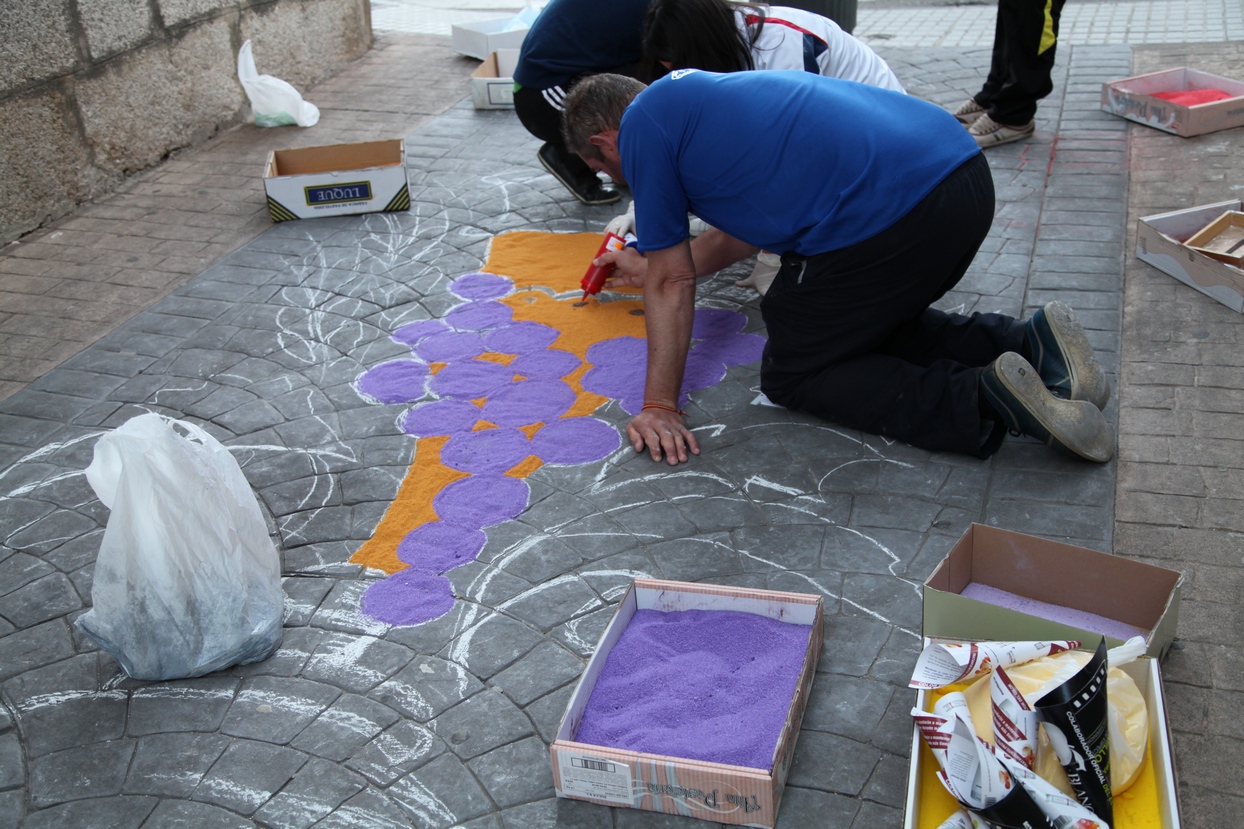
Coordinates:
<point>1128,721</point>
<point>187,581</point>
<point>275,102</point>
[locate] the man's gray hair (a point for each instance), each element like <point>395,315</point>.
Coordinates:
<point>595,105</point>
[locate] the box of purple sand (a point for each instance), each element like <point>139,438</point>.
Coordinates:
<point>1007,586</point>
<point>617,744</point>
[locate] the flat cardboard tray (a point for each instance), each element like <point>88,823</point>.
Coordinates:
<point>1132,98</point>
<point>1161,241</point>
<point>1137,594</point>
<point>1222,239</point>
<point>673,785</point>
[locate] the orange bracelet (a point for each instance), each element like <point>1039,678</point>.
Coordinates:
<point>663,407</point>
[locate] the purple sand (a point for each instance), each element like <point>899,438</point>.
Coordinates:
<point>481,500</point>
<point>438,547</point>
<point>529,401</point>
<point>488,450</point>
<point>574,440</point>
<point>413,332</point>
<point>449,345</point>
<point>481,286</point>
<point>441,417</point>
<point>521,337</point>
<point>399,381</point>
<point>471,379</point>
<point>1051,612</point>
<point>409,597</point>
<point>699,684</point>
<point>546,365</point>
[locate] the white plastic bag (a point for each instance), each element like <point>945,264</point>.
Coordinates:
<point>274,102</point>
<point>187,580</point>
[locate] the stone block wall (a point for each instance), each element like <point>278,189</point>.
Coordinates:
<point>92,91</point>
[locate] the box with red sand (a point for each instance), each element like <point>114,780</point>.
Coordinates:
<point>1182,101</point>
<point>692,702</point>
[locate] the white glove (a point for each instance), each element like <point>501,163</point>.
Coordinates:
<point>767,265</point>
<point>624,224</point>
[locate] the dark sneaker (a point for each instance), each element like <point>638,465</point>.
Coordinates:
<point>968,112</point>
<point>989,133</point>
<point>583,184</point>
<point>1062,355</point>
<point>1012,387</point>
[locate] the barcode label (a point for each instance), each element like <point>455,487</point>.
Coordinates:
<point>595,778</point>
<point>595,765</point>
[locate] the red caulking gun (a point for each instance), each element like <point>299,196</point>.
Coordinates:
<point>595,277</point>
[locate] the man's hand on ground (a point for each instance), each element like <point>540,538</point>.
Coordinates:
<point>664,433</point>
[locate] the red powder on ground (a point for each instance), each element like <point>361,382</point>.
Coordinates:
<point>697,684</point>
<point>1192,97</point>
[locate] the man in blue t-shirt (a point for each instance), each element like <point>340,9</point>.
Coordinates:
<point>878,202</point>
<point>572,39</point>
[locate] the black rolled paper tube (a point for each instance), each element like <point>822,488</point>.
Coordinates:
<point>1078,711</point>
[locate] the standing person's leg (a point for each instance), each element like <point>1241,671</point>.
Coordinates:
<point>1026,40</point>
<point>540,112</point>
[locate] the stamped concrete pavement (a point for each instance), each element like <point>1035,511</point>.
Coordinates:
<point>359,723</point>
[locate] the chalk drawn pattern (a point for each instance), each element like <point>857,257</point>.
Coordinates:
<point>491,398</point>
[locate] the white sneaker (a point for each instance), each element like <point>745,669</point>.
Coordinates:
<point>989,133</point>
<point>968,112</point>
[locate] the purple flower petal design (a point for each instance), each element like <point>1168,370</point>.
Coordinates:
<point>481,500</point>
<point>471,379</point>
<point>573,440</point>
<point>449,345</point>
<point>521,338</point>
<point>399,381</point>
<point>438,547</point>
<point>409,597</point>
<point>529,401</point>
<point>546,365</point>
<point>413,332</point>
<point>479,315</point>
<point>441,417</point>
<point>481,286</point>
<point>486,451</point>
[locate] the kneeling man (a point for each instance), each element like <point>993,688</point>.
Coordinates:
<point>878,202</point>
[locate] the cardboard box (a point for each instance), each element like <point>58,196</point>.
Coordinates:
<point>492,84</point>
<point>337,180</point>
<point>1148,679</point>
<point>1137,594</point>
<point>483,37</point>
<point>652,782</point>
<point>1160,242</point>
<point>1222,239</point>
<point>1132,98</point>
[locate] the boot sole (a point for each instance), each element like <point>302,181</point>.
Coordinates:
<point>1088,381</point>
<point>1076,426</point>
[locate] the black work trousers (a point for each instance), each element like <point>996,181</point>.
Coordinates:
<point>852,338</point>
<point>1024,42</point>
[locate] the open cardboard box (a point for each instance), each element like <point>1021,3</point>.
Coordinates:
<point>1137,594</point>
<point>337,180</point>
<point>652,782</point>
<point>1222,239</point>
<point>492,84</point>
<point>1160,241</point>
<point>928,802</point>
<point>483,37</point>
<point>1132,98</point>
